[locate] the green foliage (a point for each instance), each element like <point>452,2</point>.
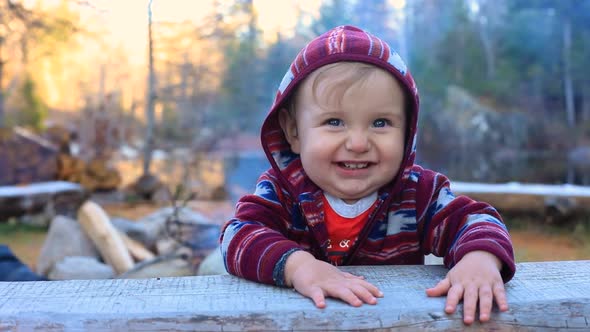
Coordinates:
<point>37,33</point>
<point>522,67</point>
<point>53,33</point>
<point>12,227</point>
<point>31,110</point>
<point>241,92</point>
<point>169,128</point>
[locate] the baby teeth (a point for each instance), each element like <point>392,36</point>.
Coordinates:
<point>363,165</point>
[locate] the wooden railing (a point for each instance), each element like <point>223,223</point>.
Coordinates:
<point>542,296</point>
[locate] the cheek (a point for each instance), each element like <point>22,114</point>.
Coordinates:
<point>311,149</point>
<point>393,151</point>
<point>314,143</point>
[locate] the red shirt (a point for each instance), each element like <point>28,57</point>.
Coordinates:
<point>342,231</point>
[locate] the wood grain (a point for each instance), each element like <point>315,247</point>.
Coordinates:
<point>550,296</point>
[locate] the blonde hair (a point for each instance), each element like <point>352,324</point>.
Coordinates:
<point>330,83</point>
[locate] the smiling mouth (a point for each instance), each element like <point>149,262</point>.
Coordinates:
<point>354,165</point>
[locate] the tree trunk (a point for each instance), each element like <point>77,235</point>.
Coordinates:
<point>568,88</point>
<point>151,96</point>
<point>407,32</point>
<point>2,122</point>
<point>585,116</point>
<point>488,48</point>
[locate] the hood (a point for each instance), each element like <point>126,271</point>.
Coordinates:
<point>343,43</point>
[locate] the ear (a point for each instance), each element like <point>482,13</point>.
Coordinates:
<point>289,126</point>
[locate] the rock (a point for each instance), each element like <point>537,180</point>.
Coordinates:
<point>174,265</point>
<point>166,246</point>
<point>195,236</point>
<point>212,264</point>
<point>146,185</point>
<point>134,230</point>
<point>162,196</point>
<point>476,124</point>
<point>64,238</point>
<point>155,223</point>
<point>82,268</point>
<point>185,214</point>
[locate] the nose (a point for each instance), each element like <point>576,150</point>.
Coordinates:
<point>357,141</point>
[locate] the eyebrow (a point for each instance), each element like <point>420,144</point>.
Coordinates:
<point>398,116</point>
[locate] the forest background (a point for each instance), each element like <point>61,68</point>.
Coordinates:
<point>505,90</point>
<point>504,84</point>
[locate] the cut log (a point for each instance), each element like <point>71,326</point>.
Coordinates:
<point>98,227</point>
<point>98,168</point>
<point>69,166</point>
<point>93,176</point>
<point>110,181</point>
<point>137,250</point>
<point>60,136</point>
<point>88,182</point>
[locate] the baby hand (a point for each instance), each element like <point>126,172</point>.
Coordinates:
<point>317,279</point>
<point>475,276</point>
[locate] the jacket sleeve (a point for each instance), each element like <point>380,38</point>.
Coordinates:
<point>454,226</point>
<point>253,243</point>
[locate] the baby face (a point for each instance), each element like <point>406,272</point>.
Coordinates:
<point>356,146</point>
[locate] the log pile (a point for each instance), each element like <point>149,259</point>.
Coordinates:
<point>95,175</point>
<point>26,158</point>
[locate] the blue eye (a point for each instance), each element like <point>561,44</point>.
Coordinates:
<point>334,122</point>
<point>380,123</point>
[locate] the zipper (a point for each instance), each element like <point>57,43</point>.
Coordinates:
<point>363,235</point>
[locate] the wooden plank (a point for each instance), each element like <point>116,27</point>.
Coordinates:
<point>563,190</point>
<point>40,188</point>
<point>542,296</point>
<point>65,198</point>
<point>552,202</point>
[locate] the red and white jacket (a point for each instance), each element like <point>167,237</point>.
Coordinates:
<point>416,214</point>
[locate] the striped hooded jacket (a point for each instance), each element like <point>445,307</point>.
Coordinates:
<point>416,213</point>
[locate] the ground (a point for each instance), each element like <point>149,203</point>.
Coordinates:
<point>532,242</point>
